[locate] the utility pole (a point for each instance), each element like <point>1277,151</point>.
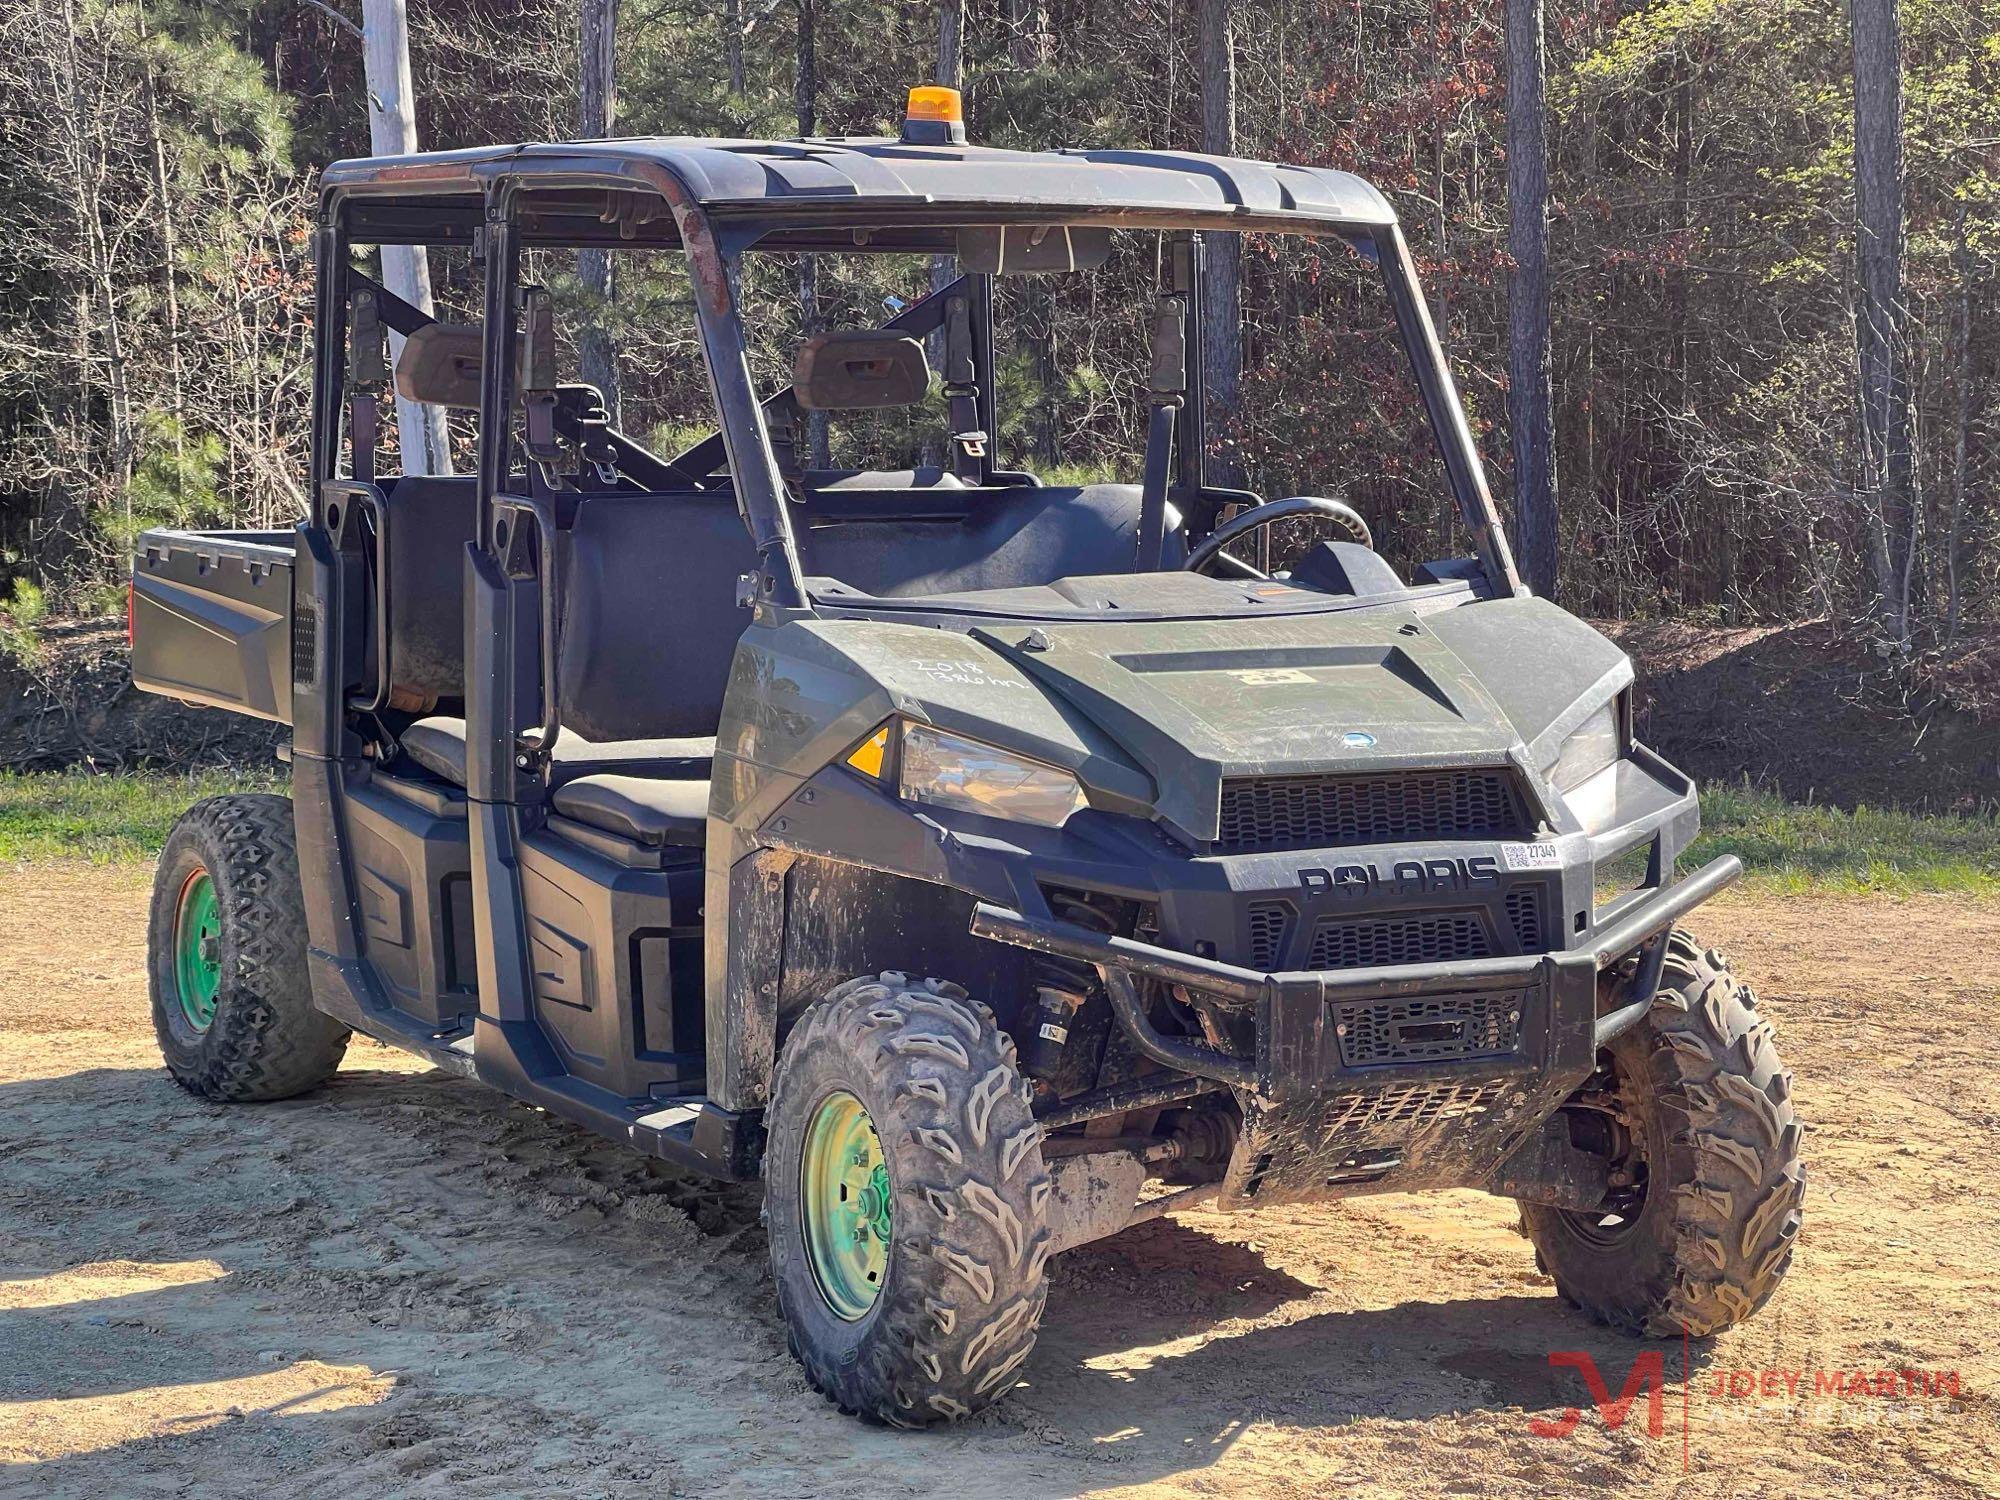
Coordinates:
<point>1530,373</point>
<point>406,271</point>
<point>597,115</point>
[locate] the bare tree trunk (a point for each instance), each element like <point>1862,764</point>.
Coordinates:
<point>732,45</point>
<point>169,270</point>
<point>1677,282</point>
<point>1962,260</point>
<point>1034,328</point>
<point>1027,33</point>
<point>406,271</point>
<point>951,43</point>
<point>1222,292</point>
<point>1887,477</point>
<point>1530,380</point>
<point>805,95</point>
<point>596,117</point>
<point>1439,305</point>
<point>950,73</point>
<point>89,171</point>
<point>93,173</point>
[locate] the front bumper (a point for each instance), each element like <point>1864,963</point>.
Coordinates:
<point>1340,1095</point>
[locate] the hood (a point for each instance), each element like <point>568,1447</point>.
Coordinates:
<point>1153,715</point>
<point>1194,702</point>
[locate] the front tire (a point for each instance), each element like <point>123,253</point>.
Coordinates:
<point>226,953</point>
<point>907,1202</point>
<point>1705,1107</point>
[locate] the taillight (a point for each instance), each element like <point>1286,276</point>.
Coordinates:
<point>131,591</point>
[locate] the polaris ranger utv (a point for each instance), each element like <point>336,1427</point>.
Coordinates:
<point>987,864</point>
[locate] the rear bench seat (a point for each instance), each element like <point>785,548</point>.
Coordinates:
<point>658,814</point>
<point>438,745</point>
<point>651,792</point>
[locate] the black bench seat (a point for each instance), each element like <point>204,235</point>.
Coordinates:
<point>655,813</point>
<point>438,745</point>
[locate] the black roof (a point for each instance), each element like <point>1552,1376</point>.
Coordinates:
<point>826,178</point>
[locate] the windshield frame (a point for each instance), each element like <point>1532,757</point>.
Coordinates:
<point>742,232</point>
<point>714,234</point>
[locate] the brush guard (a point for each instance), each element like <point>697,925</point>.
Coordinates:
<point>1395,1078</point>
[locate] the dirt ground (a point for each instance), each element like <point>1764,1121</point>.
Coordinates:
<point>1811,710</point>
<point>406,1285</point>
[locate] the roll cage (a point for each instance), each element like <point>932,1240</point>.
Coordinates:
<point>699,198</point>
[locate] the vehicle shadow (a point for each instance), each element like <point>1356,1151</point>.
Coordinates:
<point>1158,1376</point>
<point>411,1225</point>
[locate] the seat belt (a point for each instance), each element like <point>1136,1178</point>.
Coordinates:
<point>1166,394</point>
<point>961,375</point>
<point>367,368</point>
<point>399,315</point>
<point>582,409</point>
<point>538,387</point>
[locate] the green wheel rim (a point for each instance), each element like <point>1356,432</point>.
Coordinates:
<point>198,950</point>
<point>844,1200</point>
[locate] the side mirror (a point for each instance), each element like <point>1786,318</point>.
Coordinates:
<point>1031,249</point>
<point>855,371</point>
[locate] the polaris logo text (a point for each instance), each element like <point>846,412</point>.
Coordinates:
<point>1404,876</point>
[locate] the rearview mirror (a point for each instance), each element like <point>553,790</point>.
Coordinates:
<point>1031,249</point>
<point>855,371</point>
<point>439,365</point>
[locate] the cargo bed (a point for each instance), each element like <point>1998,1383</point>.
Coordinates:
<point>212,619</point>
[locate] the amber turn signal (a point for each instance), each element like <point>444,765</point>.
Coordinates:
<point>871,755</point>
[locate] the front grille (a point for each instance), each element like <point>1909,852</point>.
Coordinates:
<point>1269,923</point>
<point>1524,915</point>
<point>1369,942</point>
<point>1428,1029</point>
<point>1271,813</point>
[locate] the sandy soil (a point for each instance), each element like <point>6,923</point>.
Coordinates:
<point>408,1285</point>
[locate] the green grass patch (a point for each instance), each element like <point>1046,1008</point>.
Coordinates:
<point>1806,848</point>
<point>1784,846</point>
<point>78,815</point>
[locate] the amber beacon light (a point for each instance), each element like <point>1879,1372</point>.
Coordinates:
<point>935,117</point>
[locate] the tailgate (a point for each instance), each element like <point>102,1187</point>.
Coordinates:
<point>212,619</point>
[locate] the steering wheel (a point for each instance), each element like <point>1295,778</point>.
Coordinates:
<point>1211,546</point>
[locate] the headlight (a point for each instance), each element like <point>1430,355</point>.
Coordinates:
<point>1588,751</point>
<point>954,771</point>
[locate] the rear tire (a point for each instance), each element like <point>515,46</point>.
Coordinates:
<point>1711,1110</point>
<point>939,1326</point>
<point>226,953</point>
